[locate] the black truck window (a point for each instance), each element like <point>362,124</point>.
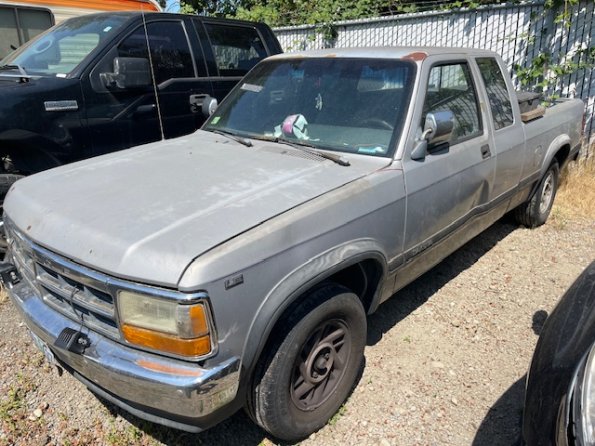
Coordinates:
<point>170,52</point>
<point>237,48</point>
<point>497,93</point>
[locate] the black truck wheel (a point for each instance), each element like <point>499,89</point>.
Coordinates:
<point>536,210</point>
<point>311,368</point>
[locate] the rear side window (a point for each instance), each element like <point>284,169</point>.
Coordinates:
<point>237,48</point>
<point>497,93</point>
<point>450,88</point>
<point>170,52</point>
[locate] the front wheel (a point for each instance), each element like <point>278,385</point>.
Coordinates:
<point>535,212</point>
<point>310,371</point>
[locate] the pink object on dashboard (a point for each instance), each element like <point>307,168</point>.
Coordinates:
<point>287,126</point>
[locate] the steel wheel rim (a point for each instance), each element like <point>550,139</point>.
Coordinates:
<point>320,365</point>
<point>547,194</point>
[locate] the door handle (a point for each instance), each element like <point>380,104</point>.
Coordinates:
<point>147,108</point>
<point>485,151</point>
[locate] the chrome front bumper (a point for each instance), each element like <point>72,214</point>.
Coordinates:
<point>175,393</point>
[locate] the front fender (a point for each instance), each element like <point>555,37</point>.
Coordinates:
<point>29,151</point>
<point>298,282</point>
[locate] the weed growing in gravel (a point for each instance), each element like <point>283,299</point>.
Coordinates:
<point>559,218</point>
<point>576,197</point>
<point>13,408</point>
<point>338,415</point>
<point>118,436</point>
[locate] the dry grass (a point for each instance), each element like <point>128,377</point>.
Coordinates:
<point>576,196</point>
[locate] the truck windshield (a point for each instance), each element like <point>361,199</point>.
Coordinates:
<point>344,104</point>
<point>60,49</point>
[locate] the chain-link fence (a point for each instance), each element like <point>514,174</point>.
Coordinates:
<point>530,38</point>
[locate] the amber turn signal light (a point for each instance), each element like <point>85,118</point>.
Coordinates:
<point>167,343</point>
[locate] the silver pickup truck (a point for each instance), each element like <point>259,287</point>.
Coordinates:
<point>185,279</point>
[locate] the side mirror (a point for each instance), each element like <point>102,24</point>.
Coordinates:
<point>441,123</point>
<point>437,130</point>
<point>129,72</point>
<point>203,103</point>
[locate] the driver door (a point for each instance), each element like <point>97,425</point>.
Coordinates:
<point>450,186</point>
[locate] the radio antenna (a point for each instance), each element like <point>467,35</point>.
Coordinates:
<point>153,75</point>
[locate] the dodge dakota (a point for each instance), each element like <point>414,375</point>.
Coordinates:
<point>234,267</point>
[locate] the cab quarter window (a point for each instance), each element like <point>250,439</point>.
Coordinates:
<point>170,52</point>
<point>237,48</point>
<point>497,93</point>
<point>450,88</point>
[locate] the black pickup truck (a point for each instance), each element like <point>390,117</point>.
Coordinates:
<point>85,87</point>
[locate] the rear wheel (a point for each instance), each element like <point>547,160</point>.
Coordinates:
<point>535,212</point>
<point>310,371</point>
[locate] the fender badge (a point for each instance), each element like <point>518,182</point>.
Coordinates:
<point>234,281</point>
<point>61,105</point>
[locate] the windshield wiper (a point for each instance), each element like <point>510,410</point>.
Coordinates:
<point>23,76</point>
<point>310,148</point>
<point>13,67</point>
<point>240,139</point>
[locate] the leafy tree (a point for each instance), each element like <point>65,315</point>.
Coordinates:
<point>225,8</point>
<point>298,12</point>
<point>322,12</point>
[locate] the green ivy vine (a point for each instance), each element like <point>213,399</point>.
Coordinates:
<point>541,72</point>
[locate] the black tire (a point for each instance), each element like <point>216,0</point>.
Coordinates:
<point>311,367</point>
<point>536,210</point>
<point>6,180</point>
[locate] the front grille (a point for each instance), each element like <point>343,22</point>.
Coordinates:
<point>68,288</point>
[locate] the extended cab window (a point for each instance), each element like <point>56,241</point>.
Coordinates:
<point>497,93</point>
<point>170,52</point>
<point>450,88</point>
<point>237,48</point>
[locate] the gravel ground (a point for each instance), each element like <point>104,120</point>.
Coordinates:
<point>445,362</point>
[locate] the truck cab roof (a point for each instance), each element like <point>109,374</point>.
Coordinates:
<point>389,52</point>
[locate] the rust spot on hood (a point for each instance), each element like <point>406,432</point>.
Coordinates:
<point>417,56</point>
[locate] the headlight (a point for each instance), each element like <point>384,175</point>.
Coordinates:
<point>164,325</point>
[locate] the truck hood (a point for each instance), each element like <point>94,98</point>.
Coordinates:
<point>145,213</point>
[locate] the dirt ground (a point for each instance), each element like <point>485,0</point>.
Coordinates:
<point>445,361</point>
